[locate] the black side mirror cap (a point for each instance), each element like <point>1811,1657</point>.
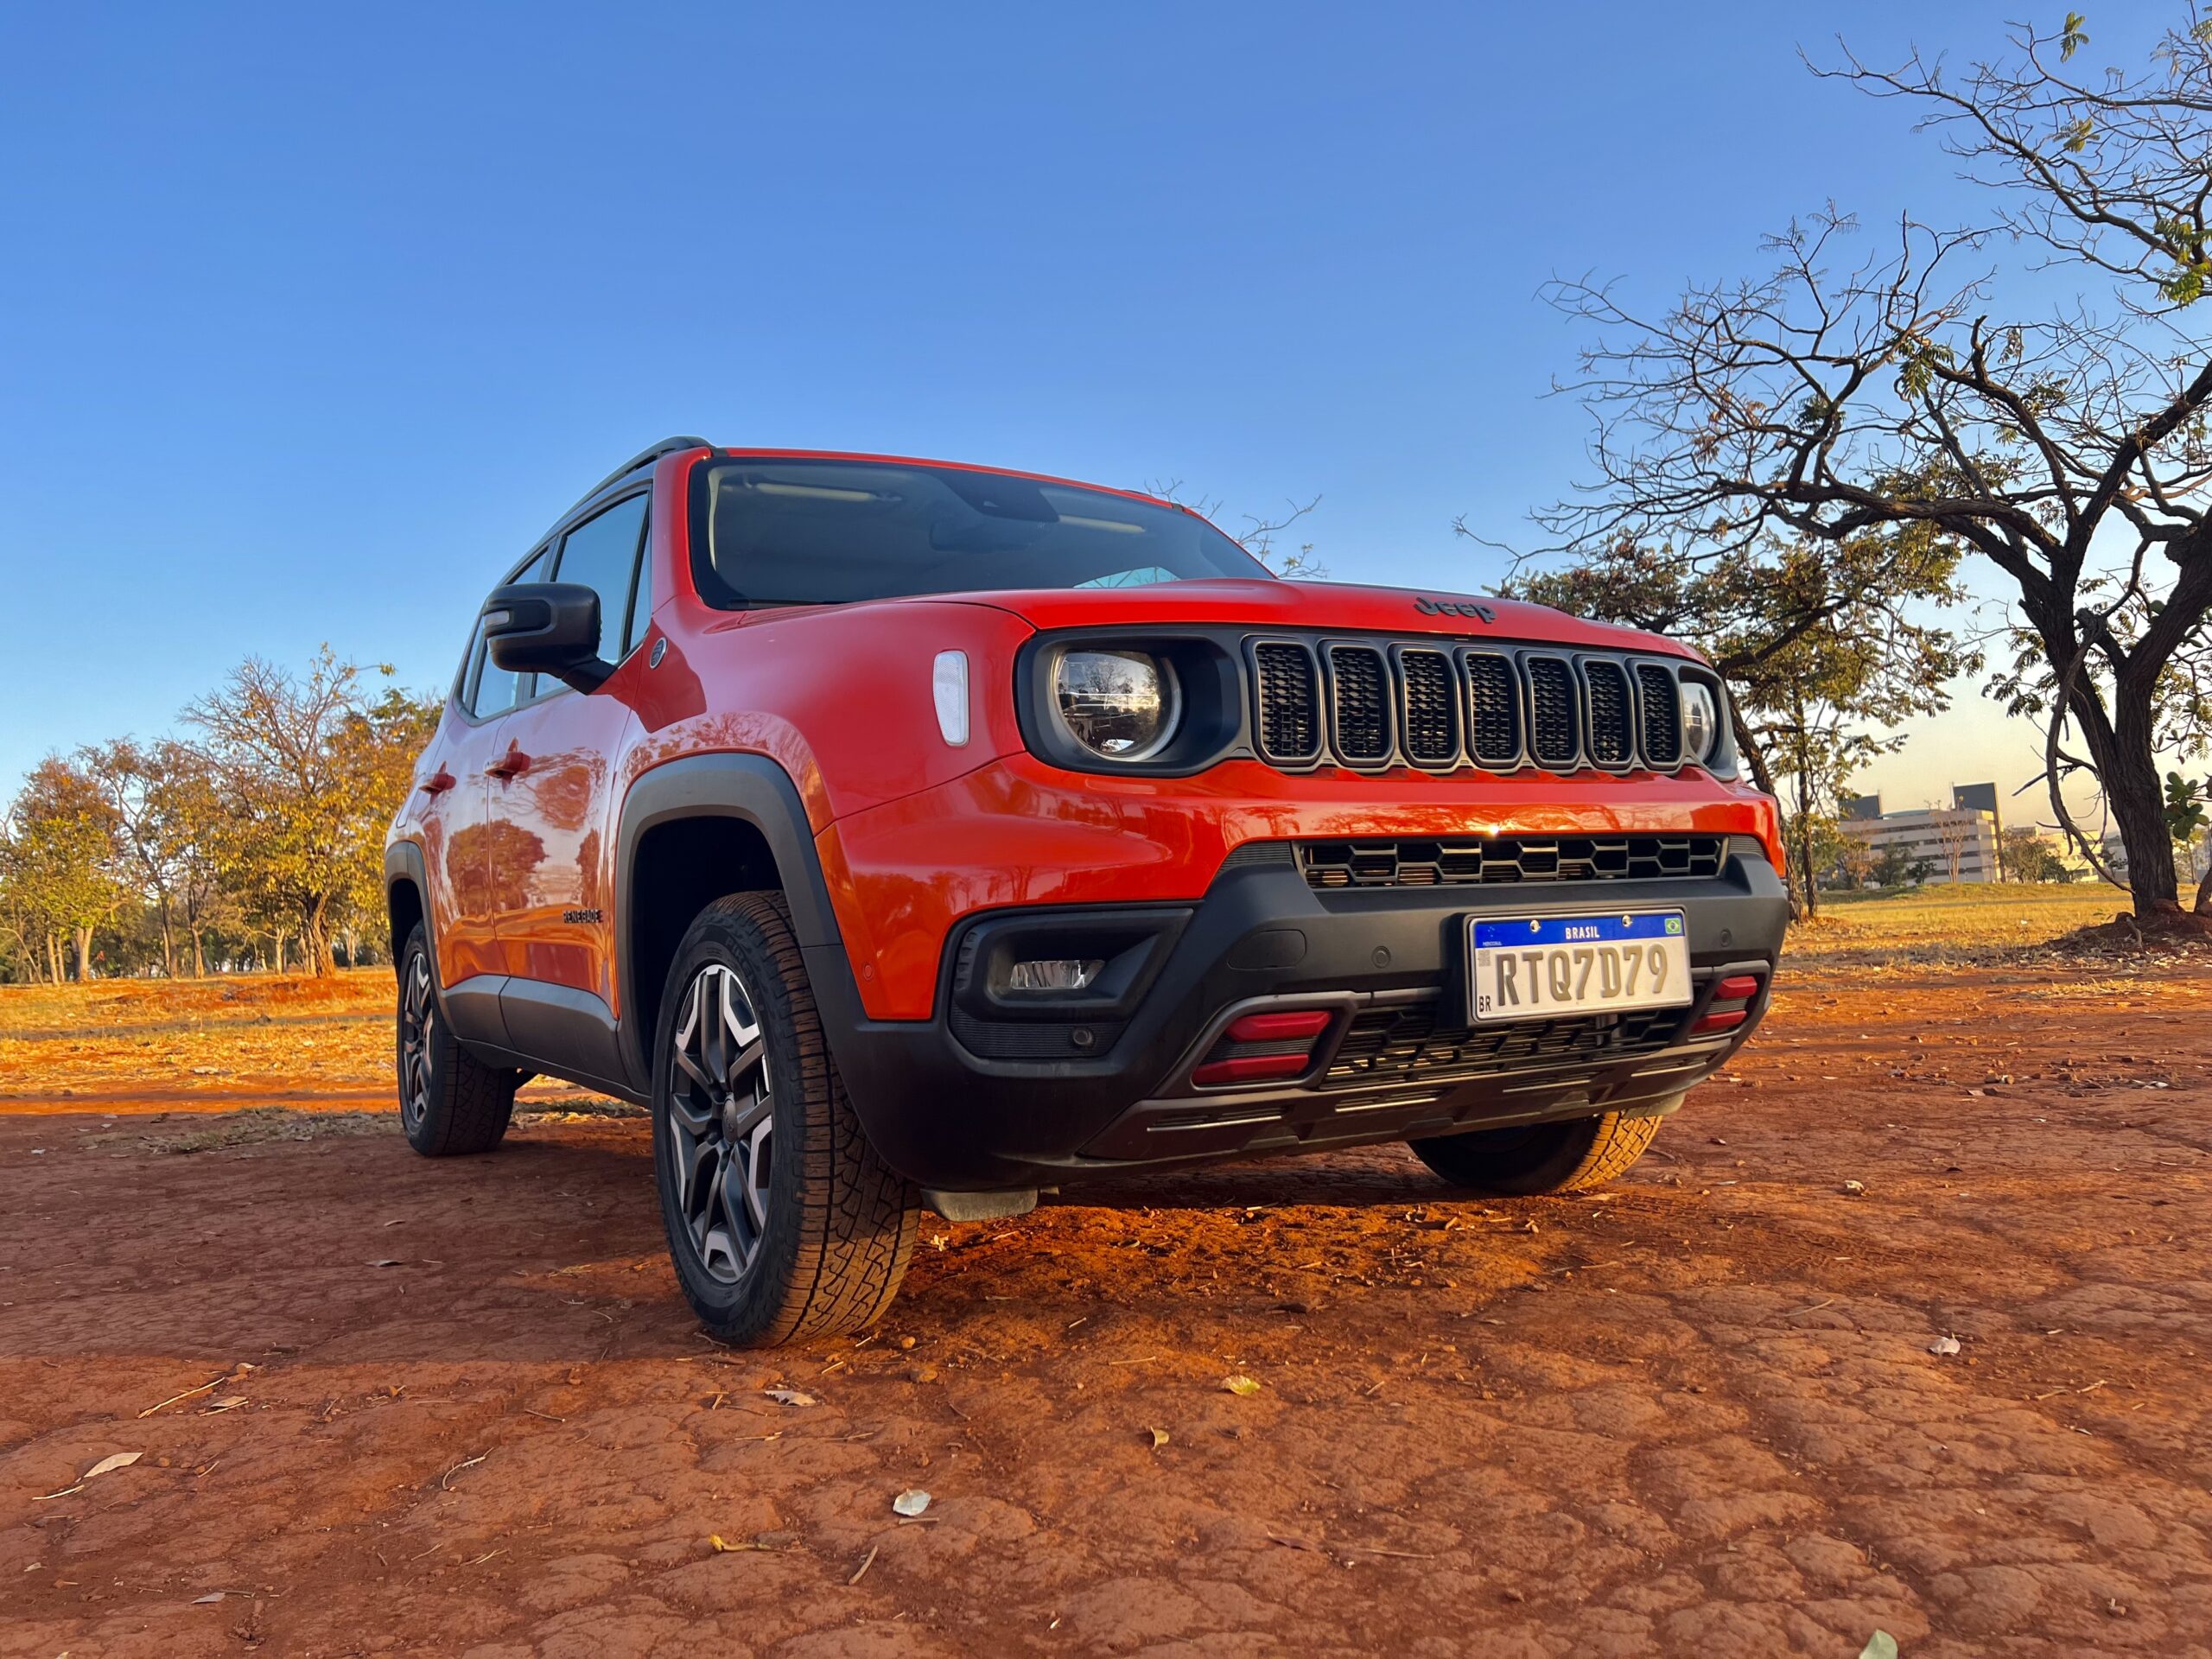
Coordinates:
<point>547,627</point>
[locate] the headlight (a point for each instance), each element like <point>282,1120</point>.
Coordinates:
<point>1120,705</point>
<point>1700,720</point>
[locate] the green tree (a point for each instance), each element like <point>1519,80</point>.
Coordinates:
<point>2066,450</point>
<point>2026,854</point>
<point>2186,820</point>
<point>58,858</point>
<point>1817,641</point>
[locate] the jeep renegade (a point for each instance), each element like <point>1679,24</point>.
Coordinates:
<point>899,832</point>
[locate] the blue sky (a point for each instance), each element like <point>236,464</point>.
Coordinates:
<point>313,317</point>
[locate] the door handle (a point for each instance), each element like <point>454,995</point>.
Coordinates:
<point>512,764</point>
<point>438,782</point>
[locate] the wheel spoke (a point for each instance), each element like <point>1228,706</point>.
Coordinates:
<point>756,1178</point>
<point>720,1120</point>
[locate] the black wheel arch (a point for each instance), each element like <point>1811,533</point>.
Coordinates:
<point>406,883</point>
<point>693,830</point>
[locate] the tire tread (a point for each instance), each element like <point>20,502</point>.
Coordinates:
<point>858,1218</point>
<point>470,1103</point>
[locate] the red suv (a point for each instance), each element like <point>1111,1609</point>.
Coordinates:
<point>903,832</point>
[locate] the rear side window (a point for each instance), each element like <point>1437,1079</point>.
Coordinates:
<point>601,553</point>
<point>489,688</point>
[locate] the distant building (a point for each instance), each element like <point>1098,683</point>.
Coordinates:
<point>1959,839</point>
<point>1862,807</point>
<point>1980,797</point>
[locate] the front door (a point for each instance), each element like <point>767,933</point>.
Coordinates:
<point>552,810</point>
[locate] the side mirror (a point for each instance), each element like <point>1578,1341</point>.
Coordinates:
<point>547,627</point>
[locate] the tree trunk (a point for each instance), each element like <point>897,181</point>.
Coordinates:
<point>169,941</point>
<point>84,942</point>
<point>314,943</point>
<point>198,954</point>
<point>2204,887</point>
<point>2128,769</point>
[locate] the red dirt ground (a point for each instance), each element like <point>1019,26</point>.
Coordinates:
<point>1698,1415</point>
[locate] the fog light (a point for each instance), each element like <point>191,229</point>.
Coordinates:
<point>1062,974</point>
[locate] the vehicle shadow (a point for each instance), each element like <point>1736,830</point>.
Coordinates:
<point>1347,1179</point>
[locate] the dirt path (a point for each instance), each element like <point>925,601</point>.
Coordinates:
<point>1698,1416</point>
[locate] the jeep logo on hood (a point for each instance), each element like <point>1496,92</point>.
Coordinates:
<point>1454,607</point>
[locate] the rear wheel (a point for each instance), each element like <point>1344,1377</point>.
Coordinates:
<point>450,1102</point>
<point>782,1221</point>
<point>1568,1157</point>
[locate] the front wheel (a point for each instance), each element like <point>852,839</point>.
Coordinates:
<point>450,1102</point>
<point>782,1221</point>
<point>1529,1159</point>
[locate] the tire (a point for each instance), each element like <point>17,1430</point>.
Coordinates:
<point>450,1102</point>
<point>782,1221</point>
<point>1566,1157</point>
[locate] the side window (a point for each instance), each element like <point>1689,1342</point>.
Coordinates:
<point>602,553</point>
<point>491,689</point>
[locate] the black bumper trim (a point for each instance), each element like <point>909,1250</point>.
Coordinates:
<point>950,1119</point>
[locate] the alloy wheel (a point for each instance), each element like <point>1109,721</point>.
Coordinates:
<point>721,1119</point>
<point>417,1010</point>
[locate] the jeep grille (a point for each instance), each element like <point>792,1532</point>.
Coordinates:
<point>1369,705</point>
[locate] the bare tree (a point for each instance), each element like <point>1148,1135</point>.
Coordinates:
<point>1260,533</point>
<point>1955,832</point>
<point>1836,396</point>
<point>305,771</point>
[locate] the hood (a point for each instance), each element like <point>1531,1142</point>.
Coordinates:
<point>1319,606</point>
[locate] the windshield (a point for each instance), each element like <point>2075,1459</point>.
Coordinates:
<point>824,532</point>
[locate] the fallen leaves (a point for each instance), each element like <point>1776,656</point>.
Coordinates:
<point>791,1396</point>
<point>1944,1347</point>
<point>1159,1437</point>
<point>912,1502</point>
<point>106,1466</point>
<point>211,1383</point>
<point>1242,1386</point>
<point>445,1481</point>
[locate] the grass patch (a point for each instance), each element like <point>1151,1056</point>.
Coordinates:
<point>1967,924</point>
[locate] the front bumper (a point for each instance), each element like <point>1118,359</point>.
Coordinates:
<point>990,1095</point>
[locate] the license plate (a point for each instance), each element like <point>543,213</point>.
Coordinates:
<point>1541,967</point>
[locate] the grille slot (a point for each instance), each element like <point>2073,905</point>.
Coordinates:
<point>1360,705</point>
<point>1368,705</point>
<point>1488,860</point>
<point>1493,709</point>
<point>1554,723</point>
<point>1290,702</point>
<point>1431,693</point>
<point>1661,701</point>
<point>1612,742</point>
<point>1408,1042</point>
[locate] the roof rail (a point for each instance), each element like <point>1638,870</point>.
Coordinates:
<point>665,446</point>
